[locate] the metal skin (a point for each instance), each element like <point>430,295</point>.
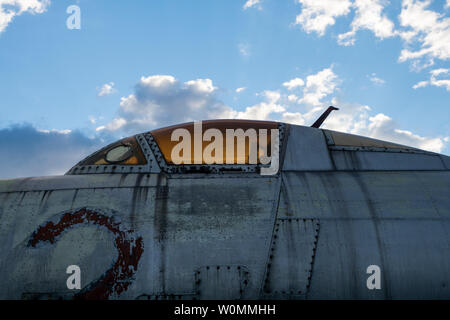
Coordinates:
<point>308,232</point>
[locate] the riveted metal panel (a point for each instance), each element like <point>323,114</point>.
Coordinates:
<point>291,258</point>
<point>306,150</point>
<point>212,222</point>
<point>363,160</point>
<point>398,221</point>
<point>152,163</point>
<point>412,256</point>
<point>184,223</point>
<point>221,282</point>
<point>165,297</point>
<point>151,166</point>
<point>345,249</point>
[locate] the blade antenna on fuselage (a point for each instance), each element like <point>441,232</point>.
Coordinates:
<point>324,115</point>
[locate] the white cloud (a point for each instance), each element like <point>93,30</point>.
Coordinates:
<point>64,131</point>
<point>351,118</point>
<point>12,8</point>
<point>272,96</point>
<point>114,125</point>
<point>293,117</point>
<point>420,84</point>
<point>434,81</point>
<point>293,98</point>
<point>347,39</point>
<point>252,3</point>
<point>162,100</point>
<point>158,83</point>
<point>317,15</point>
<point>425,32</point>
<point>437,72</point>
<point>244,49</point>
<point>376,80</point>
<point>94,120</point>
<point>428,34</point>
<point>318,86</point>
<point>431,144</point>
<point>201,86</point>
<point>239,90</point>
<point>294,83</point>
<point>368,15</point>
<point>262,110</point>
<point>106,89</point>
<point>383,127</point>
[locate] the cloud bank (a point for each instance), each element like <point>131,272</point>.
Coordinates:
<point>425,32</point>
<point>26,151</point>
<point>434,81</point>
<point>162,100</point>
<point>318,15</point>
<point>9,9</point>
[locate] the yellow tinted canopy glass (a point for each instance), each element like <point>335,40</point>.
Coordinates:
<point>215,142</point>
<point>345,139</point>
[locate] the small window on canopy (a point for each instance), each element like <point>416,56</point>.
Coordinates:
<point>124,152</point>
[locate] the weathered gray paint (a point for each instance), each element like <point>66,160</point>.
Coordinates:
<point>389,219</point>
<point>364,160</point>
<point>446,161</point>
<point>309,232</point>
<point>306,150</point>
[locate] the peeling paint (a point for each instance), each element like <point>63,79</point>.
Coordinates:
<point>118,278</point>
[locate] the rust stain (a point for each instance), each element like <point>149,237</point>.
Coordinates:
<point>115,280</point>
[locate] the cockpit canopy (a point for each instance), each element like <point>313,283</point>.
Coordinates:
<point>208,138</point>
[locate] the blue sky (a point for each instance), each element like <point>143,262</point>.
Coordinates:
<point>138,65</point>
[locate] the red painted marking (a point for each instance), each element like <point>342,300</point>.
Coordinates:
<point>116,279</point>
